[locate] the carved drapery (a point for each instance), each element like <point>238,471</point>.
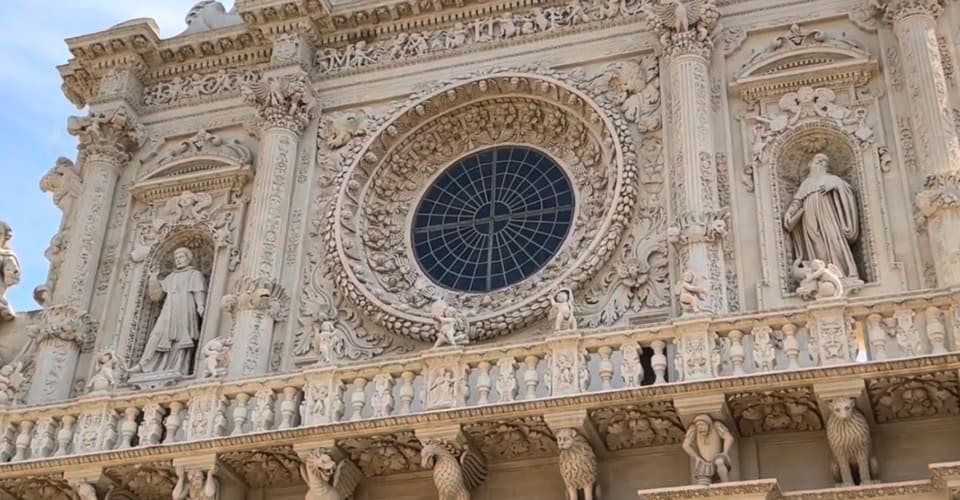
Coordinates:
<point>381,183</point>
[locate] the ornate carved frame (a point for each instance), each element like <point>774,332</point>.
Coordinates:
<point>369,249</point>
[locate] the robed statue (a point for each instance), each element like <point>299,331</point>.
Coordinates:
<point>822,219</point>
<point>174,336</point>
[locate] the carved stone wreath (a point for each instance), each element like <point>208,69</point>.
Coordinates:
<point>369,245</point>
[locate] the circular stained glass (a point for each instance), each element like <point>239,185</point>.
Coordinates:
<point>493,219</point>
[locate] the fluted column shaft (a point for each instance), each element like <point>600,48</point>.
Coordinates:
<point>260,300</point>
<point>938,146</point>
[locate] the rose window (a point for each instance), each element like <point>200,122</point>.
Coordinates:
<point>492,219</point>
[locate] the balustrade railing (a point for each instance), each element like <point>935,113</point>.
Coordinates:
<point>568,363</point>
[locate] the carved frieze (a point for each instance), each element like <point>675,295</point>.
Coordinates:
<point>148,481</point>
<point>779,410</point>
<point>379,187</point>
<point>640,425</point>
<point>509,439</point>
<point>384,454</point>
<point>920,396</point>
<point>197,88</point>
<point>38,488</point>
<point>263,468</point>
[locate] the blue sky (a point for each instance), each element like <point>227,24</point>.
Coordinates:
<point>34,111</point>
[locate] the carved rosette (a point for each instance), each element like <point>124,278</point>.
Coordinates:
<point>111,136</point>
<point>686,27</point>
<point>281,102</point>
<point>368,244</point>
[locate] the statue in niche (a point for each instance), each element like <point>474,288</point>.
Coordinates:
<point>174,336</point>
<point>9,271</point>
<point>822,219</point>
<point>709,443</point>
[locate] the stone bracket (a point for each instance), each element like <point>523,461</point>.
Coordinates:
<point>578,420</point>
<point>854,388</point>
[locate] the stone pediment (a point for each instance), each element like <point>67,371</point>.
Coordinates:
<point>804,58</point>
<point>203,162</point>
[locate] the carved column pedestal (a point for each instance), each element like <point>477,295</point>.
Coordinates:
<point>283,103</point>
<point>937,143</point>
<point>695,349</point>
<point>831,336</point>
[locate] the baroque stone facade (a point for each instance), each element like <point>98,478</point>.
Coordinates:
<point>494,249</point>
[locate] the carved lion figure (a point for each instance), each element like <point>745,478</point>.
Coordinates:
<point>578,465</point>
<point>849,436</point>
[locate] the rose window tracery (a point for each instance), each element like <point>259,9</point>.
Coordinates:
<point>377,245</point>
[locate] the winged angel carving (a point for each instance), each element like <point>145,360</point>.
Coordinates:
<point>454,476</point>
<point>681,16</point>
<point>328,480</point>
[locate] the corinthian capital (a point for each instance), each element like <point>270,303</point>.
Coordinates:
<point>892,11</point>
<point>113,134</point>
<point>283,101</point>
<point>685,26</point>
<point>940,192</point>
<point>66,323</point>
<point>258,294</point>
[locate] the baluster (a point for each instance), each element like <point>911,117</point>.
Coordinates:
<point>531,377</point>
<point>151,428</point>
<point>484,383</point>
<point>764,354</point>
<point>288,407</point>
<point>129,426</point>
<point>605,369</point>
<point>877,336</point>
<point>659,361</point>
<point>7,443</point>
<point>358,398</point>
<point>43,439</point>
<point>263,409</point>
<point>936,330</point>
<point>407,391</point>
<point>220,418</point>
<point>791,346</point>
<point>22,443</point>
<point>631,369</point>
<point>382,401</point>
<point>507,385</point>
<point>173,422</point>
<point>907,333</point>
<point>737,353</point>
<point>65,435</point>
<point>240,413</point>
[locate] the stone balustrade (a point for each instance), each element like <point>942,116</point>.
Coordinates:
<point>570,363</point>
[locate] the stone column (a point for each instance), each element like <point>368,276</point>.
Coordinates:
<point>107,141</point>
<point>938,148</point>
<point>283,101</point>
<point>699,222</point>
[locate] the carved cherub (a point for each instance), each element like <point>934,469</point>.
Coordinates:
<point>322,340</point>
<point>11,378</point>
<point>689,293</point>
<point>562,310</point>
<point>709,443</point>
<point>328,480</point>
<point>214,356</point>
<point>451,325</point>
<point>818,280</point>
<point>108,372</point>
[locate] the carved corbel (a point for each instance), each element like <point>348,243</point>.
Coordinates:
<point>705,415</point>
<point>87,482</point>
<point>458,467</point>
<point>328,471</point>
<point>848,430</point>
<point>261,295</point>
<point>285,102</point>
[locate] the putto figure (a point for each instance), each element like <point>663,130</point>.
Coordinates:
<point>561,310</point>
<point>818,280</point>
<point>108,372</point>
<point>174,335</point>
<point>451,325</point>
<point>9,271</point>
<point>822,219</point>
<point>689,293</point>
<point>709,442</point>
<point>215,354</point>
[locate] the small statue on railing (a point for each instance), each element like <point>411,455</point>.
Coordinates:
<point>109,371</point>
<point>9,271</point>
<point>818,280</point>
<point>689,293</point>
<point>11,379</point>
<point>215,354</point>
<point>562,310</point>
<point>451,325</point>
<point>709,443</point>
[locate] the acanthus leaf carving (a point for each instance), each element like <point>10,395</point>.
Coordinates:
<point>685,26</point>
<point>112,135</point>
<point>207,144</point>
<point>781,410</point>
<point>641,425</point>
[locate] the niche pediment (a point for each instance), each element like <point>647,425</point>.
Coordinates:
<point>801,59</point>
<point>204,162</point>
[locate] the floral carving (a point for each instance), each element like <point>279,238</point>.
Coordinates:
<point>635,87</point>
<point>113,135</point>
<point>384,454</point>
<point>148,481</point>
<point>918,396</point>
<point>207,144</point>
<point>195,88</point>
<point>526,437</point>
<point>781,410</point>
<point>634,426</point>
<point>264,468</point>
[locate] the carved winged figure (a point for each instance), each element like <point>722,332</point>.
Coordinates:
<point>454,476</point>
<point>328,480</point>
<point>681,15</point>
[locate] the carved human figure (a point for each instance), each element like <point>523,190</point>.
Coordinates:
<point>818,280</point>
<point>450,324</point>
<point>689,293</point>
<point>822,219</point>
<point>215,354</point>
<point>322,341</point>
<point>174,335</point>
<point>561,310</point>
<point>107,374</point>
<point>709,442</point>
<point>85,491</point>
<point>578,464</point>
<point>9,271</point>
<point>195,485</point>
<point>848,435</point>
